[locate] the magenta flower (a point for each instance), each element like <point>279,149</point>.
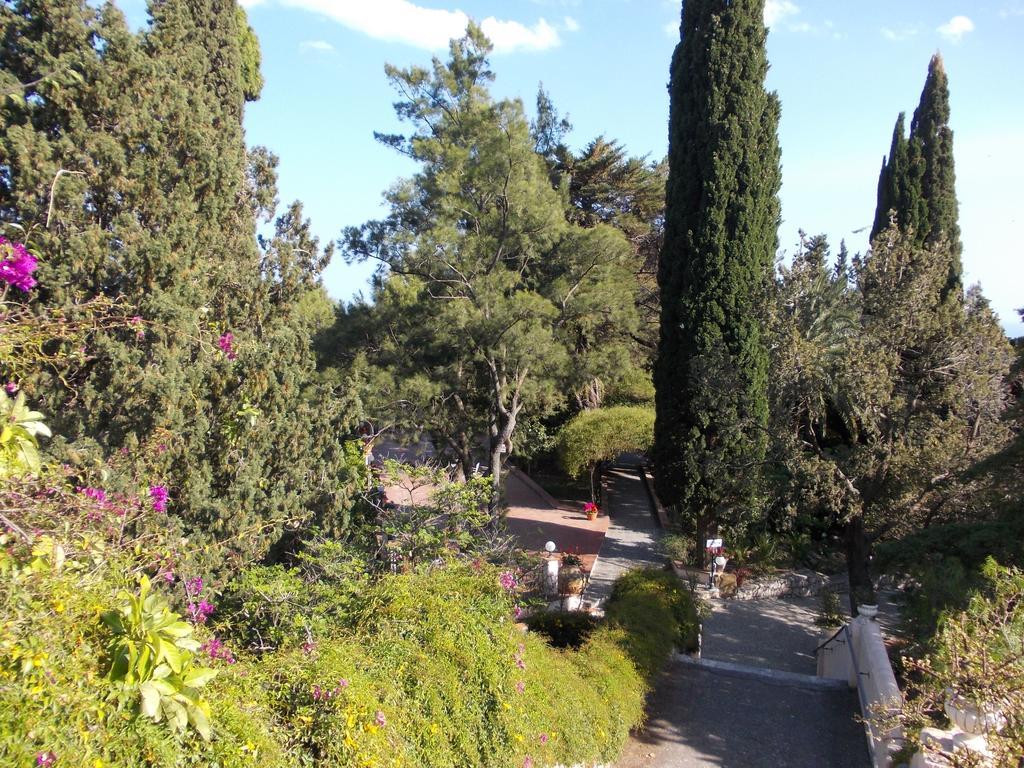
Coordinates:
<point>308,647</point>
<point>201,612</point>
<point>17,266</point>
<point>226,344</point>
<point>11,387</point>
<point>517,613</point>
<point>380,720</point>
<point>528,762</point>
<point>194,586</point>
<point>215,649</point>
<point>46,758</point>
<point>343,683</point>
<point>543,738</point>
<point>96,494</point>
<point>520,686</point>
<point>158,493</point>
<point>507,579</point>
<point>136,323</point>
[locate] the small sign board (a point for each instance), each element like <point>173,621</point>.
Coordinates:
<point>714,544</point>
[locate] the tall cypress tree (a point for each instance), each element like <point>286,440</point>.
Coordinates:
<point>721,221</point>
<point>917,181</point>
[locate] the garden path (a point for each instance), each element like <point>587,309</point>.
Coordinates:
<point>534,518</point>
<point>632,530</point>
<point>752,701</point>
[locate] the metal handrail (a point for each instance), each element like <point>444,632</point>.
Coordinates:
<point>834,636</point>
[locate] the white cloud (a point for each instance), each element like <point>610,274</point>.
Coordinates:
<point>776,10</point>
<point>1011,10</point>
<point>316,45</point>
<point>803,26</point>
<point>402,21</point>
<point>570,24</point>
<point>896,35</point>
<point>511,35</point>
<point>671,29</point>
<point>956,28</point>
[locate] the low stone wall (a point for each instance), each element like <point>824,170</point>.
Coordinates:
<point>802,583</point>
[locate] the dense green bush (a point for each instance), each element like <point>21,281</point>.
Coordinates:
<point>945,562</point>
<point>423,669</point>
<point>602,434</point>
<point>658,613</point>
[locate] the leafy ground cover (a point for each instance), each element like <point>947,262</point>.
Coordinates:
<point>110,657</point>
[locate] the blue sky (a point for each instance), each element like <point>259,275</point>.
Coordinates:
<point>843,70</point>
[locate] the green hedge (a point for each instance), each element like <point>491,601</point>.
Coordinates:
<point>603,434</point>
<point>658,613</point>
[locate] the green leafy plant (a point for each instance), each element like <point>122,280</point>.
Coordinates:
<point>152,653</point>
<point>19,444</point>
<point>830,612</point>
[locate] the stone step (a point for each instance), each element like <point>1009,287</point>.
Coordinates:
<point>763,674</point>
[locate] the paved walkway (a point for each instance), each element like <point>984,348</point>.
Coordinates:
<point>777,633</point>
<point>534,518</point>
<point>699,718</point>
<point>629,542</point>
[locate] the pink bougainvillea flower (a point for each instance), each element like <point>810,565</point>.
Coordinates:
<point>380,719</point>
<point>507,579</point>
<point>136,323</point>
<point>226,344</point>
<point>96,494</point>
<point>194,586</point>
<point>11,388</point>
<point>517,612</point>
<point>201,612</point>
<point>17,265</point>
<point>159,495</point>
<point>215,649</point>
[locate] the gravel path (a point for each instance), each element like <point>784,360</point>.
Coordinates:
<point>632,531</point>
<point>777,634</point>
<point>698,718</point>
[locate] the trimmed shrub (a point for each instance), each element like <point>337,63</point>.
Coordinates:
<point>658,613</point>
<point>603,434</point>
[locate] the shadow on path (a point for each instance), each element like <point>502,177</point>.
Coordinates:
<point>698,718</point>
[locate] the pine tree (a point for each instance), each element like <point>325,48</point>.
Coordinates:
<point>917,181</point>
<point>154,204</point>
<point>721,219</point>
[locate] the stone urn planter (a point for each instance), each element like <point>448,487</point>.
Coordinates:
<point>868,611</point>
<point>972,718</point>
<point>573,580</point>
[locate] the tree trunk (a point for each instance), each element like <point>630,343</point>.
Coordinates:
<point>702,534</point>
<point>595,482</point>
<point>858,563</point>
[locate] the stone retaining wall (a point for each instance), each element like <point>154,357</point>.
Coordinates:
<point>801,583</point>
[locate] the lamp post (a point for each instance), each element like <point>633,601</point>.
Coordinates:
<point>551,575</point>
